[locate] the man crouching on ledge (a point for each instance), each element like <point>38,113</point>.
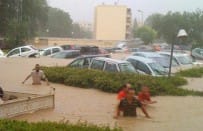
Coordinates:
<point>129,104</point>
<point>37,75</point>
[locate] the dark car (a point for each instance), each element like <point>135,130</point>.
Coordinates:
<point>84,61</point>
<point>70,47</point>
<point>67,54</point>
<point>92,50</point>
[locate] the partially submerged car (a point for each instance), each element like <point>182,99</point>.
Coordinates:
<point>50,51</point>
<point>85,60</point>
<point>23,51</point>
<point>66,54</point>
<point>111,65</point>
<point>147,66</point>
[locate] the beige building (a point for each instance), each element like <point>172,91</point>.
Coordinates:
<point>112,22</point>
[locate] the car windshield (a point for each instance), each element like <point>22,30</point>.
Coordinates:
<point>157,69</point>
<point>164,61</point>
<point>127,67</point>
<point>185,60</point>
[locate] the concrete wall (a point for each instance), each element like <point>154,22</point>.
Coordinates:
<point>44,42</point>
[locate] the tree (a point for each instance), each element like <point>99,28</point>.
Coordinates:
<point>168,26</point>
<point>59,24</point>
<point>21,19</point>
<point>146,33</point>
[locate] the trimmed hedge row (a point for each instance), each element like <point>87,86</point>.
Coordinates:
<point>12,125</point>
<point>194,72</point>
<point>111,82</point>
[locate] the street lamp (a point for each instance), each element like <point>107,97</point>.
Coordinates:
<point>181,34</point>
<point>142,15</point>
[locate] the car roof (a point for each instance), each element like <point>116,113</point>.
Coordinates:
<point>174,54</point>
<point>64,51</point>
<point>111,60</point>
<point>91,56</point>
<point>142,59</point>
<point>149,54</point>
<point>52,47</point>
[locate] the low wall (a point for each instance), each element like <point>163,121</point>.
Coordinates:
<point>44,42</point>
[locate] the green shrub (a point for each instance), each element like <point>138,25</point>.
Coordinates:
<point>194,72</point>
<point>12,125</point>
<point>111,82</point>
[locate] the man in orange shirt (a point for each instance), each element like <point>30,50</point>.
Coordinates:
<point>123,92</point>
<point>144,96</point>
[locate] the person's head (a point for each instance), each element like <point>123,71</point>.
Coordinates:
<point>37,67</point>
<point>130,93</point>
<point>126,87</point>
<point>1,93</point>
<point>145,89</point>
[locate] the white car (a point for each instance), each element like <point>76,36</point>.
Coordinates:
<point>50,51</point>
<point>1,54</point>
<point>23,51</point>
<point>147,66</point>
<point>185,61</point>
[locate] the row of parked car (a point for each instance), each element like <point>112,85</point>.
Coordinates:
<point>64,51</point>
<point>150,63</point>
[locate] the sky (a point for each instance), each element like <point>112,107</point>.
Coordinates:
<point>83,10</point>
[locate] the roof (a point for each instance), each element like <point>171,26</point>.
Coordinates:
<point>142,59</point>
<point>111,60</point>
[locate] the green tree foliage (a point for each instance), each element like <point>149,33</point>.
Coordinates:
<point>146,33</point>
<point>59,24</point>
<point>168,25</point>
<point>21,19</point>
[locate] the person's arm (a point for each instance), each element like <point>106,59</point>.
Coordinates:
<point>145,112</point>
<point>118,110</point>
<point>27,78</point>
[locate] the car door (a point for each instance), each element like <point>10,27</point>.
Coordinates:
<point>55,50</point>
<point>47,52</point>
<point>110,67</point>
<point>79,63</point>
<point>142,68</point>
<point>14,53</point>
<point>25,52</point>
<point>97,64</point>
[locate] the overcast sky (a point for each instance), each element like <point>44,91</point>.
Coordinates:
<point>83,10</point>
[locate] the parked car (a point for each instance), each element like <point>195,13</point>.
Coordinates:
<point>66,54</point>
<point>92,50</point>
<point>162,60</point>
<point>147,66</point>
<point>84,61</point>
<point>197,53</point>
<point>50,50</point>
<point>70,47</point>
<point>1,53</point>
<point>184,60</point>
<point>111,65</point>
<point>23,51</point>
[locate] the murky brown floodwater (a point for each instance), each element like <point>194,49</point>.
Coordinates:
<point>73,104</point>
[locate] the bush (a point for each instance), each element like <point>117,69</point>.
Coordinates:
<point>194,72</point>
<point>12,125</point>
<point>111,82</point>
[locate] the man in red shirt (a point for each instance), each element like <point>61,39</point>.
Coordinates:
<point>144,96</point>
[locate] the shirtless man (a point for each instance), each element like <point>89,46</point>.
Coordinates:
<point>37,75</point>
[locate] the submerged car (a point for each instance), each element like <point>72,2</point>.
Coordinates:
<point>67,54</point>
<point>197,53</point>
<point>50,51</point>
<point>162,60</point>
<point>111,65</point>
<point>85,60</point>
<point>23,51</point>
<point>147,66</point>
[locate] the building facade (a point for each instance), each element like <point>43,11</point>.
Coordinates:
<point>112,22</point>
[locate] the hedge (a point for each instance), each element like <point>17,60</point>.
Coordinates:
<point>111,82</point>
<point>13,125</point>
<point>193,72</point>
